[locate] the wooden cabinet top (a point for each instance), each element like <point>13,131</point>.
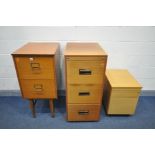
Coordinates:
<point>121,78</point>
<point>84,49</point>
<point>37,48</point>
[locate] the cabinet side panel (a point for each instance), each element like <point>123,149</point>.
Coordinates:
<point>13,57</point>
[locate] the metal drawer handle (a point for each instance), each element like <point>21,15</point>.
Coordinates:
<point>35,66</point>
<point>84,93</point>
<point>85,71</point>
<point>83,112</point>
<point>38,87</point>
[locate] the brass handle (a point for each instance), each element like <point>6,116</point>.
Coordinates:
<point>84,93</point>
<point>83,112</point>
<point>85,71</point>
<point>38,87</point>
<point>35,66</point>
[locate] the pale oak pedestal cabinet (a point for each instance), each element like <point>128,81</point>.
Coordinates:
<point>122,91</point>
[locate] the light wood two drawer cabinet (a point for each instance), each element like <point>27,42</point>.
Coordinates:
<point>122,91</point>
<point>85,65</point>
<point>35,65</point>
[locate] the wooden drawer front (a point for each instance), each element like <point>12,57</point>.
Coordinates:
<point>35,67</point>
<point>85,72</point>
<point>125,93</point>
<point>38,88</point>
<point>83,112</point>
<point>122,105</point>
<point>84,94</point>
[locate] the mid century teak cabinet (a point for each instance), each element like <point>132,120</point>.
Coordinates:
<point>35,65</point>
<point>85,65</point>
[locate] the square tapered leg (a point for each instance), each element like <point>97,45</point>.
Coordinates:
<point>32,107</point>
<point>51,108</point>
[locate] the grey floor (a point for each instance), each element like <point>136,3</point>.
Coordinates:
<point>15,113</point>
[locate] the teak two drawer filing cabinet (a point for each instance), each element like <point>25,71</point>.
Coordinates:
<point>85,71</point>
<point>35,65</point>
<point>121,92</point>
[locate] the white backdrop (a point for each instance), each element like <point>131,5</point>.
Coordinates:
<point>132,48</point>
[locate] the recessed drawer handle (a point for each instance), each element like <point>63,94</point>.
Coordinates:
<point>84,93</point>
<point>84,72</point>
<point>83,112</point>
<point>35,66</point>
<point>38,87</point>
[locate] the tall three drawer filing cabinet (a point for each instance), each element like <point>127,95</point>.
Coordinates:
<point>121,92</point>
<point>35,65</point>
<point>85,65</point>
